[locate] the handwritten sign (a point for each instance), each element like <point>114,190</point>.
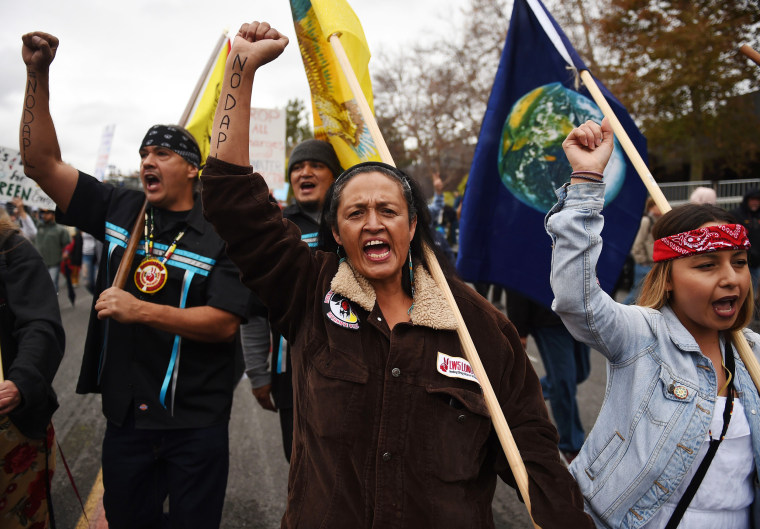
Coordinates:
<point>266,145</point>
<point>13,182</point>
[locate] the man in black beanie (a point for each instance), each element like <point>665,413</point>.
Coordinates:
<point>312,168</point>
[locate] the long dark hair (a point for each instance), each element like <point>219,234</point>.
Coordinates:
<point>416,206</point>
<point>678,220</point>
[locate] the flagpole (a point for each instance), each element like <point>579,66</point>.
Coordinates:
<point>120,279</point>
<point>492,403</point>
<point>202,79</point>
<point>627,144</point>
<point>747,50</point>
<point>356,89</point>
<point>745,352</point>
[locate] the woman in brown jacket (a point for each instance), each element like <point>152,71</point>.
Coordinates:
<point>391,428</point>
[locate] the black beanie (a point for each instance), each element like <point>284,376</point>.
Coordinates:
<point>315,151</point>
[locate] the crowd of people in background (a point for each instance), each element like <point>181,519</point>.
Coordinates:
<point>66,251</point>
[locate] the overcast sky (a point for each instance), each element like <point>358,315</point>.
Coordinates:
<point>134,64</point>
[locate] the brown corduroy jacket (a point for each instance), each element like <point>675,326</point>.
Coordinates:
<point>390,430</point>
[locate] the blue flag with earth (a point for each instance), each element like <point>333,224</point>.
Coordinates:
<point>519,162</point>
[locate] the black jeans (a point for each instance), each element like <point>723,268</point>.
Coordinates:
<point>142,467</point>
<point>286,425</point>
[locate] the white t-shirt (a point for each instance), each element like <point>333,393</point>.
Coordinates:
<point>725,494</point>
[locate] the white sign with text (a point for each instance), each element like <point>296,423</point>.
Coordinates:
<point>266,146</point>
<point>14,183</point>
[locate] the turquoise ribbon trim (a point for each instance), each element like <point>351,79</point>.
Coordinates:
<point>183,253</point>
<point>179,264</point>
<point>312,239</point>
<point>112,226</point>
<point>113,240</point>
<point>177,341</point>
<point>282,348</point>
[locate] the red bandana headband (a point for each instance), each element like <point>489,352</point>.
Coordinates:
<point>701,240</point>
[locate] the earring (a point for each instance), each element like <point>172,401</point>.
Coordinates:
<point>411,272</point>
<point>337,252</point>
<point>411,279</point>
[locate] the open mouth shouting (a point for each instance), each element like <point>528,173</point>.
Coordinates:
<point>307,186</point>
<point>376,249</point>
<point>152,182</point>
<point>726,307</point>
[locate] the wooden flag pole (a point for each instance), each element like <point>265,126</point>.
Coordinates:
<point>356,89</point>
<point>492,403</point>
<point>625,141</point>
<point>745,353</point>
<point>120,279</point>
<point>747,50</point>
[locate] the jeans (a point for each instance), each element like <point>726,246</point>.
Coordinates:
<point>286,425</point>
<point>55,273</point>
<point>142,467</point>
<point>557,349</point>
<point>69,285</point>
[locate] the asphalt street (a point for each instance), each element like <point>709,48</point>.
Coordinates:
<point>257,486</point>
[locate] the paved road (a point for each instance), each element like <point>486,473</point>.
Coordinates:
<point>256,491</point>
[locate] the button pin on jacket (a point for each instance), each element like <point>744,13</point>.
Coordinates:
<point>679,392</point>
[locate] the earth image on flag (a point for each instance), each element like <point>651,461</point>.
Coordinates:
<point>532,163</point>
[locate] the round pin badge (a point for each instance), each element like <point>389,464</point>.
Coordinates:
<point>150,276</point>
<point>680,392</point>
<point>340,311</point>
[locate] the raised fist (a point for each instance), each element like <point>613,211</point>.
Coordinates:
<point>39,49</point>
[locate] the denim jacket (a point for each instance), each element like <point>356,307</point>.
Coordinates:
<point>661,390</point>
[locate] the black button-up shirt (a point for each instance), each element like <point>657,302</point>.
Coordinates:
<point>168,381</point>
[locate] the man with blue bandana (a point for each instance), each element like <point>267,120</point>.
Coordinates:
<point>161,350</point>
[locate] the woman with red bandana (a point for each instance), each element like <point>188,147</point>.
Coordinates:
<point>677,441</point>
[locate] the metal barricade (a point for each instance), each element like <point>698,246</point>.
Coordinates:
<point>730,192</point>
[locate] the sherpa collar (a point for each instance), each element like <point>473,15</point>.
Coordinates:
<point>430,307</point>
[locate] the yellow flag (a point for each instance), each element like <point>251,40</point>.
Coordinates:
<point>337,117</point>
<point>202,120</point>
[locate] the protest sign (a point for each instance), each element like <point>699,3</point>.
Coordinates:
<point>13,182</point>
<point>266,146</point>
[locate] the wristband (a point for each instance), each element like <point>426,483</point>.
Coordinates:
<point>594,173</point>
<point>586,177</point>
